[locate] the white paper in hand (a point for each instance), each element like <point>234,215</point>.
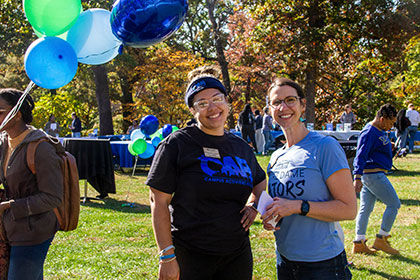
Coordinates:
<point>264,201</point>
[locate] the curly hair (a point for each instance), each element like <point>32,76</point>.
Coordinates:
<point>204,71</point>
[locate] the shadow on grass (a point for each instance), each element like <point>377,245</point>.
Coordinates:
<point>118,205</point>
<point>403,173</point>
<point>407,260</point>
<point>386,275</point>
<point>381,273</point>
<point>410,202</point>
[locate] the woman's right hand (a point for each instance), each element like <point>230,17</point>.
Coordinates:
<point>169,270</point>
<point>280,208</point>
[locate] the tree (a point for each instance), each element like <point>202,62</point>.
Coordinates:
<point>102,96</point>
<point>161,84</point>
<point>323,44</point>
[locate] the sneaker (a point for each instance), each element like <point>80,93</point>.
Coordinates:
<point>382,243</point>
<point>360,247</point>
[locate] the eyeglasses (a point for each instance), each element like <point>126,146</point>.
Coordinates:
<point>205,103</point>
<point>290,101</point>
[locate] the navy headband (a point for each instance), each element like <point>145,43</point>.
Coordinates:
<point>202,84</point>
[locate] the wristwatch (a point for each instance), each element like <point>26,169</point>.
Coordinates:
<point>304,208</point>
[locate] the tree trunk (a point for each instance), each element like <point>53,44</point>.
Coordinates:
<point>311,73</point>
<point>221,59</point>
<point>126,102</point>
<point>102,97</point>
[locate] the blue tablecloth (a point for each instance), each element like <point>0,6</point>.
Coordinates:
<point>123,157</point>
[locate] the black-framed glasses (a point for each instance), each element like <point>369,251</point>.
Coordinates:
<point>289,101</point>
<point>205,103</point>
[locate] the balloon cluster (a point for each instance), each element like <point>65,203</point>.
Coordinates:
<point>69,35</point>
<point>145,140</point>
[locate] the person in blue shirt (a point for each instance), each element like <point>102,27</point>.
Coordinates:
<point>311,185</point>
<point>373,159</point>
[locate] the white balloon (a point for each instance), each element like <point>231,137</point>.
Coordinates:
<point>92,39</point>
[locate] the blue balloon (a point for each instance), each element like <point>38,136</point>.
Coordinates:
<point>142,23</point>
<point>150,150</point>
<point>166,130</point>
<point>149,124</point>
<point>136,133</point>
<point>156,140</point>
<point>50,62</point>
<point>92,39</point>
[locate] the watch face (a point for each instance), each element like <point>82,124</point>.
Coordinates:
<point>304,208</point>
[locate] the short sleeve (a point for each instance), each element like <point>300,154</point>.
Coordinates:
<point>259,172</point>
<point>332,157</point>
<point>162,173</point>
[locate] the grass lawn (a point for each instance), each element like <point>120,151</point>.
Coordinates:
<point>116,242</point>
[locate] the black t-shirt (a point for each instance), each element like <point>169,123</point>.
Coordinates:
<point>211,178</point>
<point>258,122</point>
<point>246,118</point>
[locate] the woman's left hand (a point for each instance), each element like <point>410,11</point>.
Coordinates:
<point>248,217</point>
<point>5,205</point>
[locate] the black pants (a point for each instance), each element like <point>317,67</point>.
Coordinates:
<point>199,266</point>
<point>335,268</point>
<point>249,131</point>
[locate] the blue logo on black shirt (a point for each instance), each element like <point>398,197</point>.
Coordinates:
<point>227,170</point>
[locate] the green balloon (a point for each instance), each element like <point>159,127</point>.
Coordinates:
<point>158,133</point>
<point>52,17</point>
<point>138,146</point>
<point>174,128</point>
<point>130,149</point>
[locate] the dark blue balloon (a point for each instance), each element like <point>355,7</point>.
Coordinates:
<point>142,23</point>
<point>149,124</point>
<point>166,130</point>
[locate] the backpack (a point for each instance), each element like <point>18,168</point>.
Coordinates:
<point>68,212</point>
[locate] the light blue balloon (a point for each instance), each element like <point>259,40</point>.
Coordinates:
<point>150,150</point>
<point>92,39</point>
<point>50,62</point>
<point>136,133</point>
<point>156,140</point>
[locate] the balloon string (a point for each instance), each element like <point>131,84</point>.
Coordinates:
<point>16,108</point>
<point>98,54</point>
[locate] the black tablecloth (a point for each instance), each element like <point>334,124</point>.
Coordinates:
<point>94,162</point>
<point>349,147</point>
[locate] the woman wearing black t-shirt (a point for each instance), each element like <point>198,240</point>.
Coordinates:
<point>203,181</point>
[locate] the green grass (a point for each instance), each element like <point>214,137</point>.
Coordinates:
<point>116,242</point>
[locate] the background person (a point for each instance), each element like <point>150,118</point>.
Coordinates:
<point>402,125</point>
<point>246,122</point>
<point>208,176</point>
<point>259,137</point>
<point>373,159</point>
<point>348,116</point>
<point>310,182</point>
<point>414,118</point>
<point>52,127</point>
<point>76,126</point>
<point>28,215</point>
<point>135,125</point>
<point>266,130</point>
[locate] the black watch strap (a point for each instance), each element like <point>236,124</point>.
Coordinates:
<point>304,208</point>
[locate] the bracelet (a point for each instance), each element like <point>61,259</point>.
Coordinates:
<point>166,249</point>
<point>166,257</point>
<point>166,261</point>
